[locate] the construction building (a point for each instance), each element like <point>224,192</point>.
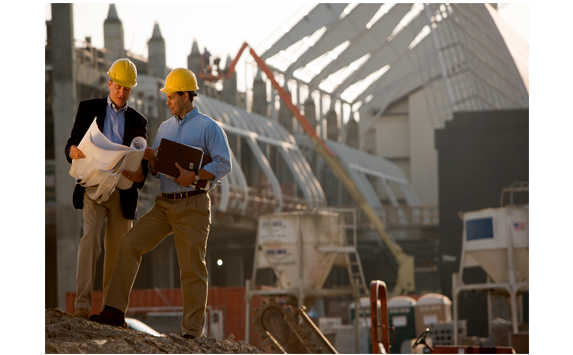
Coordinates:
<point>383,86</point>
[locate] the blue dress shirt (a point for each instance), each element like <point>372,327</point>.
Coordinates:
<point>114,124</point>
<point>198,130</point>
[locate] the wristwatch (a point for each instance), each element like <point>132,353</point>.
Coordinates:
<point>197,177</point>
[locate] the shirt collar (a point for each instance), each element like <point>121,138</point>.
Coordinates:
<point>188,116</point>
<point>112,105</point>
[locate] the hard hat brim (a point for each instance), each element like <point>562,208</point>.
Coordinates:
<point>170,91</point>
<point>122,83</point>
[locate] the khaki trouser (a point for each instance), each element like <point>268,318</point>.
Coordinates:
<point>189,220</point>
<point>90,245</point>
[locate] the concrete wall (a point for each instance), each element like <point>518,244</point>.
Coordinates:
<point>392,132</point>
<point>423,154</point>
<point>390,139</point>
<point>68,229</point>
<point>404,134</point>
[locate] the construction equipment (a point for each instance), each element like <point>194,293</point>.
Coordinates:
<point>459,349</point>
<point>405,263</point>
<point>380,331</point>
<point>289,332</point>
<point>206,70</point>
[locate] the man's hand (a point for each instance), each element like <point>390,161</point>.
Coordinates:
<point>136,176</point>
<point>149,155</point>
<point>186,177</point>
<point>76,153</point>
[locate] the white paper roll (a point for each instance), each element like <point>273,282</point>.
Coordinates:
<point>104,162</point>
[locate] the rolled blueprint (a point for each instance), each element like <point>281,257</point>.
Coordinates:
<point>132,161</point>
<point>100,171</point>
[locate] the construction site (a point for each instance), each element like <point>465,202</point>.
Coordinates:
<point>379,195</point>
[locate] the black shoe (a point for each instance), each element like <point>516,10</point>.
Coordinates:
<point>188,336</point>
<point>110,316</point>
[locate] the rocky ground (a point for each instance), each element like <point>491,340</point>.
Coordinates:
<point>68,335</point>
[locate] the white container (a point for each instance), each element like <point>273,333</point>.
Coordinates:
<point>492,236</point>
<point>290,240</point>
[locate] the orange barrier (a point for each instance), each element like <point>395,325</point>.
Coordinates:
<point>379,318</point>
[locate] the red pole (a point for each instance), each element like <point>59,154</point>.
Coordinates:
<point>234,62</point>
<point>378,293</point>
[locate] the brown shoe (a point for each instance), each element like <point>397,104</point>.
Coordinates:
<point>110,316</point>
<point>81,312</point>
<point>188,336</point>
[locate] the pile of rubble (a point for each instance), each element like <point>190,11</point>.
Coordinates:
<point>68,335</point>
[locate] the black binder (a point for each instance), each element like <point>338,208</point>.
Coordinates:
<point>189,157</point>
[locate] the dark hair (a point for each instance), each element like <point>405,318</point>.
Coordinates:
<point>191,94</point>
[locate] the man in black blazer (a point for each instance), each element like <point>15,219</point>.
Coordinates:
<point>120,124</point>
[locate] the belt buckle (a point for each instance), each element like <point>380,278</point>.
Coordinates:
<point>180,196</point>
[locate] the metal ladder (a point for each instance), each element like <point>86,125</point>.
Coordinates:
<point>355,272</point>
<point>351,256</point>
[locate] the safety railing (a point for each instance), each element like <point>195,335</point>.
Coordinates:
<point>395,217</point>
<point>260,200</point>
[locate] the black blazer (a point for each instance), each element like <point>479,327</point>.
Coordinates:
<point>135,126</point>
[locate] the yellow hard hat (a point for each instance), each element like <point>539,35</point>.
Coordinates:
<point>123,72</point>
<point>180,79</point>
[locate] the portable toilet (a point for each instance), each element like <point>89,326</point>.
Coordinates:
<point>432,308</point>
<point>401,316</point>
<point>364,311</point>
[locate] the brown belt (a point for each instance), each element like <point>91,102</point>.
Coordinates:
<point>182,195</point>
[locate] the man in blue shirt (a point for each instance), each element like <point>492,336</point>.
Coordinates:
<point>180,209</point>
<point>120,124</point>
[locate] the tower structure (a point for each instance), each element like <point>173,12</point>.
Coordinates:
<point>113,35</point>
<point>229,92</point>
<point>352,139</point>
<point>194,62</point>
<point>285,116</point>
<point>156,65</point>
<point>260,104</point>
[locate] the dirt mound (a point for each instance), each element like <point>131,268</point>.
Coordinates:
<point>68,335</point>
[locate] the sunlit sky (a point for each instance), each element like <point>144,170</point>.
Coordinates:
<point>222,28</point>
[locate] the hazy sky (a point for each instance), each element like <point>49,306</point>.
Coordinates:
<point>516,15</point>
<point>221,27</point>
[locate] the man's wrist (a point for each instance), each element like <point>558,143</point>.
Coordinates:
<point>152,166</point>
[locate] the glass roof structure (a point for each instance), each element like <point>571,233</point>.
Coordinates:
<point>259,133</point>
<point>364,168</point>
<point>370,55</point>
